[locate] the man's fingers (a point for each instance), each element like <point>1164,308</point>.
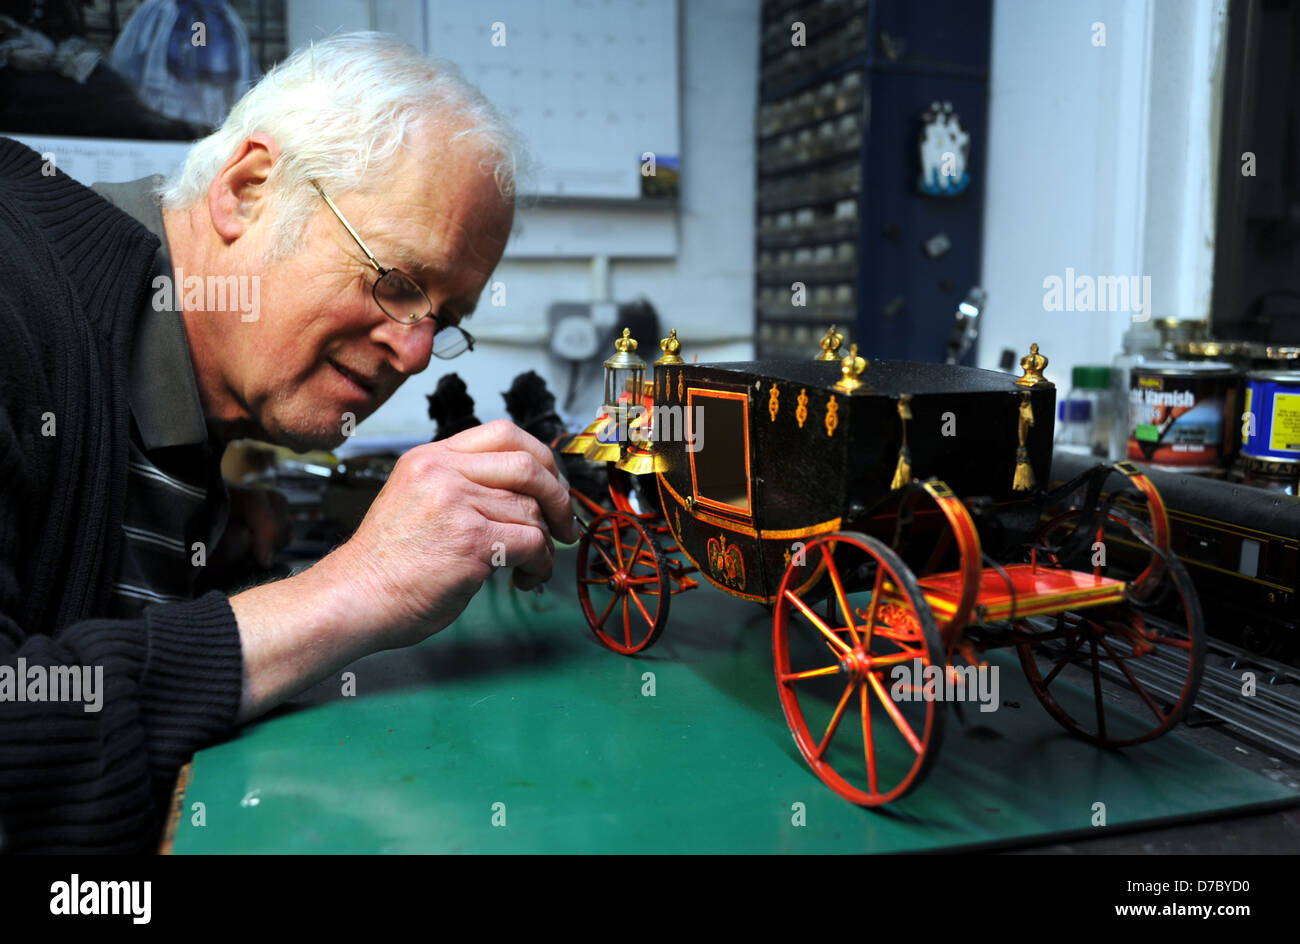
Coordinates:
<point>529,551</point>
<point>519,472</point>
<point>502,436</point>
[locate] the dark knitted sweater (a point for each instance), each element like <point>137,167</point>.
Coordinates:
<point>74,271</point>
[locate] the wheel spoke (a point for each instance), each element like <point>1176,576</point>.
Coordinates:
<point>836,642</point>
<point>632,557</point>
<point>641,606</point>
<point>600,623</point>
<point>811,673</point>
<point>627,625</point>
<point>1069,649</point>
<point>835,720</point>
<point>1137,686</point>
<point>899,721</point>
<point>869,625</point>
<point>840,595</point>
<point>618,545</point>
<point>1096,689</point>
<point>867,745</point>
<point>613,568</point>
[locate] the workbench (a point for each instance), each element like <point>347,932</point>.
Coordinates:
<point>514,731</point>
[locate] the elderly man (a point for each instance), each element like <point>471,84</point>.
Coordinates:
<point>365,191</point>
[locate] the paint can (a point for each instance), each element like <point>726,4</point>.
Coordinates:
<point>1180,415</point>
<point>1270,420</point>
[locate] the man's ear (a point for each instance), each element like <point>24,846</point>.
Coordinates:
<point>236,197</point>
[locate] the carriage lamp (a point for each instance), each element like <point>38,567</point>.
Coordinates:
<point>624,386</point>
<point>830,345</point>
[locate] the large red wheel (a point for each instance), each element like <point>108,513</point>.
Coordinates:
<point>1144,654</point>
<point>839,661</point>
<point>623,582</point>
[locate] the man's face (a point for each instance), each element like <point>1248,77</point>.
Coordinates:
<point>322,349</point>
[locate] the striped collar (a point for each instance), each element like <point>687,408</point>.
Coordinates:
<point>163,393</point>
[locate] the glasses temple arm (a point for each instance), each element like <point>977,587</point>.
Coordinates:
<point>351,232</point>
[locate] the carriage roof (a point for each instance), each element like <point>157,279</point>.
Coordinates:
<point>882,378</point>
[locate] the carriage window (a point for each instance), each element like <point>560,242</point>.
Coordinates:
<point>718,423</point>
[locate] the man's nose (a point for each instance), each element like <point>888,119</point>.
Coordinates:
<point>412,345</point>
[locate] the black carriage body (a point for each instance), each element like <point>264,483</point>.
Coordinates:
<point>813,459</point>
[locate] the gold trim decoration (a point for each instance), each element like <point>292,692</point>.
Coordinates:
<point>1033,364</point>
<point>903,471</point>
<point>704,516</point>
<point>641,461</point>
<point>801,412</point>
<point>786,558</point>
<point>823,527</point>
<point>773,401</point>
<point>832,415</point>
<point>851,370</point>
<point>679,386</point>
<point>1024,477</point>
<point>670,346</point>
<point>830,345</point>
<point>726,562</point>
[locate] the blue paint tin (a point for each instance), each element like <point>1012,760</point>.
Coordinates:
<point>1270,422</point>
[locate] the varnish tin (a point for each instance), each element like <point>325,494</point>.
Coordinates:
<point>1180,414</point>
<point>1270,422</point>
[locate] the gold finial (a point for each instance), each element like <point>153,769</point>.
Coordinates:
<point>670,346</point>
<point>830,345</point>
<point>628,343</point>
<point>1033,365</point>
<point>851,369</point>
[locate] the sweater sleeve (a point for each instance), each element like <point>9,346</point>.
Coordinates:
<point>93,772</point>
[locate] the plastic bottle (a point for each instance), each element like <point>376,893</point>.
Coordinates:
<point>1141,343</point>
<point>1084,415</point>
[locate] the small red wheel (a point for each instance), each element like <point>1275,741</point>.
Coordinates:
<point>623,582</point>
<point>1151,645</point>
<point>843,661</point>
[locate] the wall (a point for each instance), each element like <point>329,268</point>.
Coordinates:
<point>1101,159</point>
<point>706,291</point>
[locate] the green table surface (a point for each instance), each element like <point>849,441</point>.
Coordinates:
<point>514,731</point>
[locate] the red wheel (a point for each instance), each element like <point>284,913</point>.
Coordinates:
<point>623,582</point>
<point>1148,650</point>
<point>842,663</point>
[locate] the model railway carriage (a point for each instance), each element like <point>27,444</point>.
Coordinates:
<point>891,516</point>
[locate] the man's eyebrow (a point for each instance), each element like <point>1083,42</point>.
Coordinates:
<point>409,261</point>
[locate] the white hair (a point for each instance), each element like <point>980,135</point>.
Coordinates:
<point>340,111</point>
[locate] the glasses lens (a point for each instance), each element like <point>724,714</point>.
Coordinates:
<point>450,341</point>
<point>401,298</point>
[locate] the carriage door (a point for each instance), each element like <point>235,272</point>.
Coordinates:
<point>722,486</point>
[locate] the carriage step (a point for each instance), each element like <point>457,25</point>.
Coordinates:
<point>1019,590</point>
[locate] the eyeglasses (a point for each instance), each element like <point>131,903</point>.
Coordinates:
<point>401,298</point>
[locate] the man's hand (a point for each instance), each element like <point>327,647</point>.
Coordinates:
<point>449,514</point>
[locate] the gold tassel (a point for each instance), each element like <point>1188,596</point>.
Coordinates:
<point>903,471</point>
<point>1024,477</point>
